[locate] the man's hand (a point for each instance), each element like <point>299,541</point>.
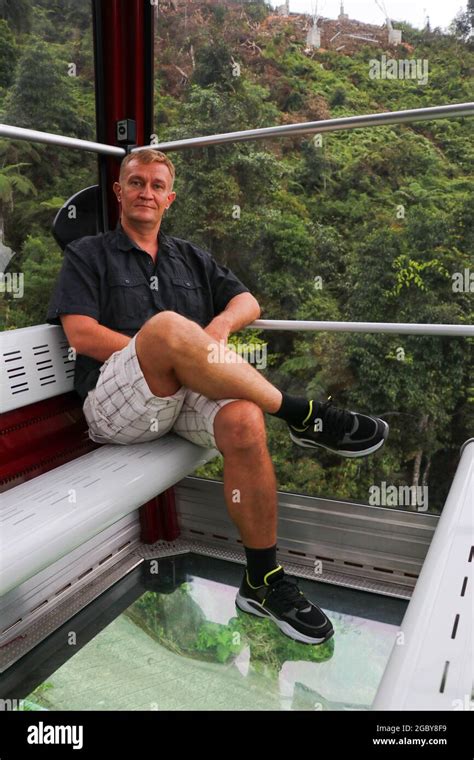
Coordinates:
<point>218,329</point>
<point>239,312</point>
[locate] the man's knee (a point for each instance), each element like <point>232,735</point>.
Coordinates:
<point>167,327</point>
<point>240,425</point>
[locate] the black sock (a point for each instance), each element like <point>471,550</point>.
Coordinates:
<point>259,563</point>
<point>297,411</point>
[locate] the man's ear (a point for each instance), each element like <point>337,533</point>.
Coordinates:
<point>117,190</point>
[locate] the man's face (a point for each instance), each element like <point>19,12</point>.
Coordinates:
<point>144,193</point>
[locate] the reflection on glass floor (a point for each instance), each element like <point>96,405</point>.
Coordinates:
<point>183,645</point>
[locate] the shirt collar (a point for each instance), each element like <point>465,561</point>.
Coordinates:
<point>125,244</point>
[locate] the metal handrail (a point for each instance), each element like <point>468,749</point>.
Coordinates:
<point>33,135</point>
<point>400,328</point>
<point>326,125</point>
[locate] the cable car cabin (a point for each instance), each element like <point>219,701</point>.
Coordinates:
<point>90,531</point>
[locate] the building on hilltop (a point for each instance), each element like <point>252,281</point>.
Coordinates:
<point>347,35</point>
<point>283,10</point>
<point>342,16</point>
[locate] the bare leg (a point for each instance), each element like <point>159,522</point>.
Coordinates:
<point>249,478</point>
<point>174,351</point>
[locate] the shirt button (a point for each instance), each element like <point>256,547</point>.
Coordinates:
<point>127,281</point>
<point>188,284</point>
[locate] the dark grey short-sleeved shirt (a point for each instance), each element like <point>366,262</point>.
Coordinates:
<point>109,278</point>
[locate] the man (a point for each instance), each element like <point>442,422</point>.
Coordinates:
<point>143,310</point>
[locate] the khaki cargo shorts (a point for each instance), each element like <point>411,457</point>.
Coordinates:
<point>122,409</point>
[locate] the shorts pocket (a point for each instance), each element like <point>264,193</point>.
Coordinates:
<point>100,428</point>
<point>105,412</point>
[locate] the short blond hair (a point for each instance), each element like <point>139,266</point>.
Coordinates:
<point>148,156</point>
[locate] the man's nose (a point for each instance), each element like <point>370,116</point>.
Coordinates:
<point>146,191</point>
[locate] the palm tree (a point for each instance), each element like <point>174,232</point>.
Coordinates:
<point>11,182</point>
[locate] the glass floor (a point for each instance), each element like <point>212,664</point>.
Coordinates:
<point>174,640</point>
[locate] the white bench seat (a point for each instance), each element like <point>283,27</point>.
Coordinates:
<point>48,517</point>
<point>51,515</point>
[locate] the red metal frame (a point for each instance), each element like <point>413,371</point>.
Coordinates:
<point>39,437</point>
<point>124,53</point>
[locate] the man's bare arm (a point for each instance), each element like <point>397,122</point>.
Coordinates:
<point>91,339</point>
<point>239,312</point>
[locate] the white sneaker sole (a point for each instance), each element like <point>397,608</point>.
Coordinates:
<point>284,627</point>
<point>308,444</point>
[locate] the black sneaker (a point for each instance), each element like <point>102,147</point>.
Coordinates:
<point>283,602</point>
<point>349,434</point>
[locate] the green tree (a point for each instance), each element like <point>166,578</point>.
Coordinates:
<point>41,72</point>
<point>463,23</point>
<point>8,54</point>
<point>40,262</point>
<point>17,13</point>
<point>214,66</point>
<point>11,183</point>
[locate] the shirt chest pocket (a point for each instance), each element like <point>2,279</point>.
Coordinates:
<point>130,300</point>
<point>189,298</point>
